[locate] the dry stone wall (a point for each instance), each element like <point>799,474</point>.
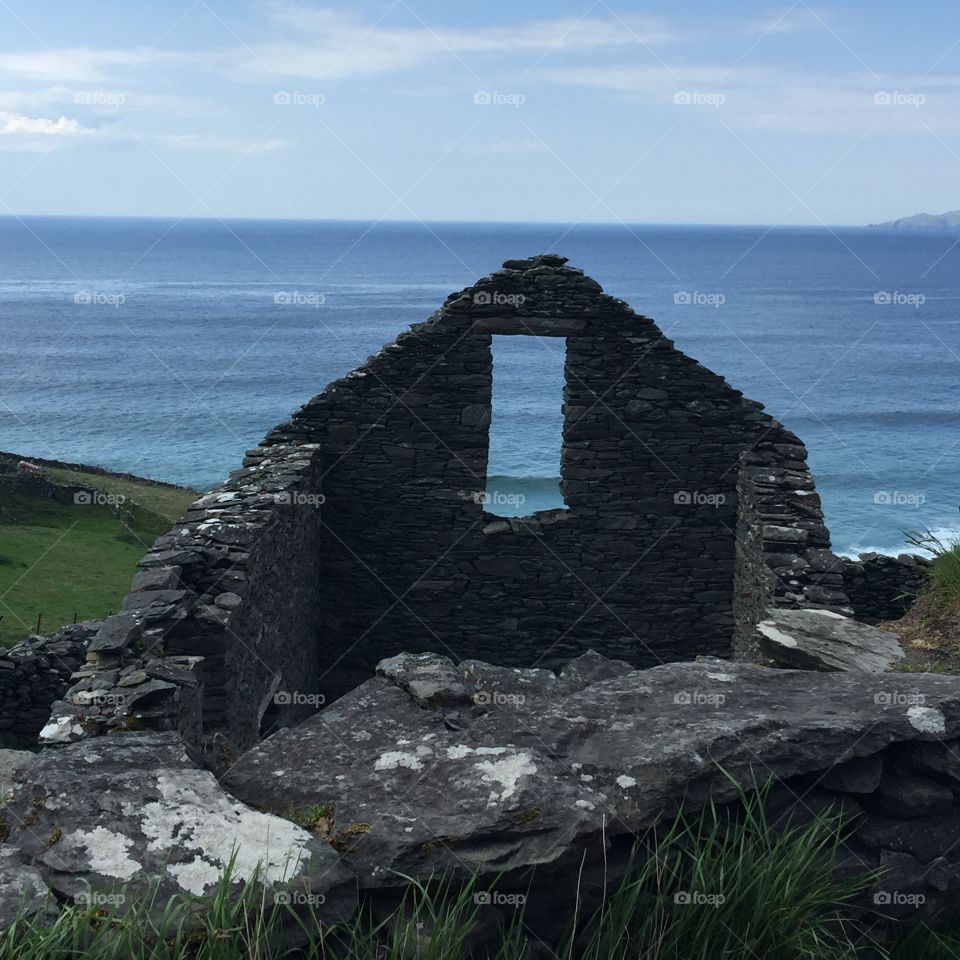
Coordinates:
<point>883,588</point>
<point>33,674</point>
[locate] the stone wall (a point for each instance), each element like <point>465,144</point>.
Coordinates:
<point>783,556</point>
<point>883,588</point>
<point>358,528</point>
<point>230,596</point>
<point>33,674</point>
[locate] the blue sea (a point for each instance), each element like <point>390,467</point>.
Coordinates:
<point>166,348</point>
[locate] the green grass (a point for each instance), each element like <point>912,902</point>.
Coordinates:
<point>945,568</point>
<point>166,502</point>
<point>707,888</point>
<point>66,561</point>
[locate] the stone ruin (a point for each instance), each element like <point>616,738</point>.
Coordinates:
<point>356,535</point>
<point>357,529</point>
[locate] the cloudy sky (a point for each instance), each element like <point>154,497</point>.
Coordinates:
<point>682,112</point>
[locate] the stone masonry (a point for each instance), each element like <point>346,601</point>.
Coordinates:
<point>357,529</point>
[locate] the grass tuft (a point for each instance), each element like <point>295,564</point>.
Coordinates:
<point>720,884</point>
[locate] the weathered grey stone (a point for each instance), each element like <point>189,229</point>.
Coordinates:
<point>537,777</point>
<point>530,326</point>
<point>116,634</point>
<point>824,640</point>
<point>134,809</point>
<point>430,679</point>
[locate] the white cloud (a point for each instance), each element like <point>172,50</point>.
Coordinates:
<point>105,99</point>
<point>78,65</point>
<point>13,124</point>
<point>327,44</point>
<point>772,98</point>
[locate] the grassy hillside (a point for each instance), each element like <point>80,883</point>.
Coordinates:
<point>60,562</point>
<point>930,629</point>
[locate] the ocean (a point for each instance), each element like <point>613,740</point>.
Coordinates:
<point>166,348</point>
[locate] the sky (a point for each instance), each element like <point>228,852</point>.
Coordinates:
<point>665,112</point>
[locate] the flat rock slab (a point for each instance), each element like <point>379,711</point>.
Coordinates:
<point>823,640</point>
<point>133,808</point>
<point>540,767</point>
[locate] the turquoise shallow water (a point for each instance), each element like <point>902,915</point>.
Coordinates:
<point>167,348</point>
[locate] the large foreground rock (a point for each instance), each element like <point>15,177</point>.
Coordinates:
<point>434,765</point>
<point>823,640</point>
<point>133,808</point>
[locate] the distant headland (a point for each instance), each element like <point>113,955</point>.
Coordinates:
<point>925,221</point>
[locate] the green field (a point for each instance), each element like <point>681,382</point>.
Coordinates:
<point>60,562</point>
